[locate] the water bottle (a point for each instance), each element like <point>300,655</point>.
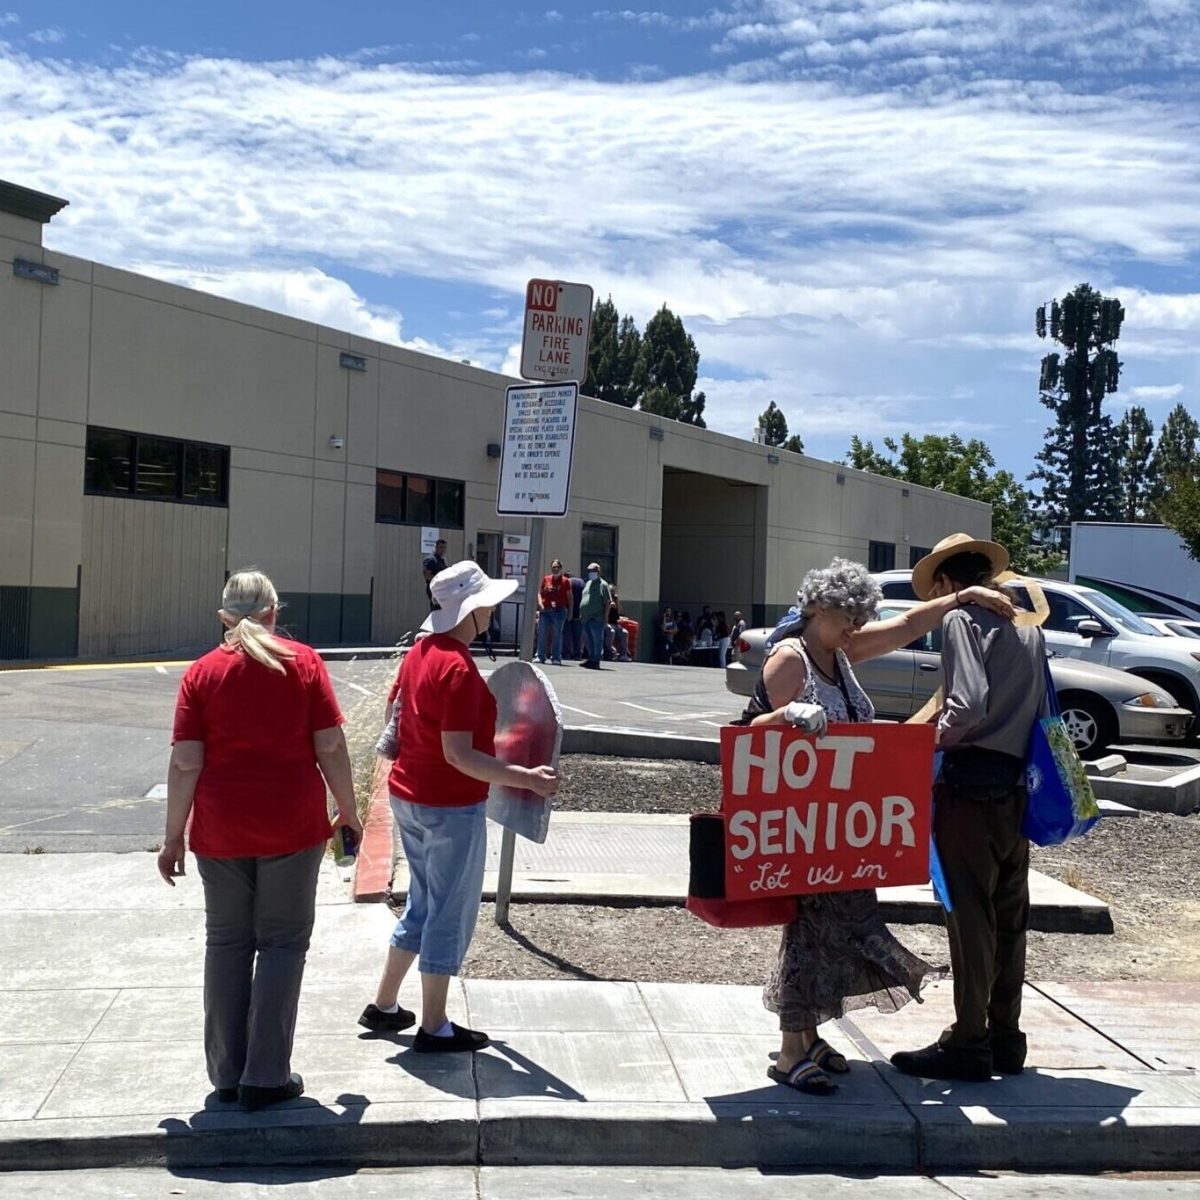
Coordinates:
<point>345,846</point>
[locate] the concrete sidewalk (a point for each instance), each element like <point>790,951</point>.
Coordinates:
<point>102,1065</point>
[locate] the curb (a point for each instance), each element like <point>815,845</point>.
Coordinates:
<point>373,865</point>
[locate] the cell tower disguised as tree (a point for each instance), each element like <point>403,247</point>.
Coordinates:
<point>1079,471</point>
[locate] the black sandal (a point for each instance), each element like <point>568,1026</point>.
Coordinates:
<point>827,1058</point>
<point>805,1076</point>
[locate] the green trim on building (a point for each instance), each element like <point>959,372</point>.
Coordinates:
<point>38,622</point>
<point>326,618</point>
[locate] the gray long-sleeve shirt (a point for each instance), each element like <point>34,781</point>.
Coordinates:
<point>993,680</point>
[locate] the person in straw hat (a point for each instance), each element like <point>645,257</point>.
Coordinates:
<point>837,954</point>
<point>993,688</point>
<point>439,786</point>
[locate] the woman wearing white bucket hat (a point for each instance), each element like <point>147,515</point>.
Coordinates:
<point>439,786</point>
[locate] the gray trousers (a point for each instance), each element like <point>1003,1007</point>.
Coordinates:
<point>259,917</point>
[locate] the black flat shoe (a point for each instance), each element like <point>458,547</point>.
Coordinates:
<point>254,1098</point>
<point>462,1040</point>
<point>943,1062</point>
<point>227,1095</point>
<point>374,1018</point>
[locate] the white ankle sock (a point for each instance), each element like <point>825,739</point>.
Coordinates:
<point>446,1030</point>
<point>390,1008</point>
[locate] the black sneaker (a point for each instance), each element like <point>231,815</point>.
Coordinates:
<point>254,1098</point>
<point>227,1095</point>
<point>374,1018</point>
<point>945,1062</point>
<point>461,1040</point>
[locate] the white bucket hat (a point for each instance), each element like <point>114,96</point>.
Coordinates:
<point>460,590</point>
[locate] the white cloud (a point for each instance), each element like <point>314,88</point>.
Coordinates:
<point>553,16</point>
<point>9,18</point>
<point>1156,393</point>
<point>839,248</point>
<point>48,37</point>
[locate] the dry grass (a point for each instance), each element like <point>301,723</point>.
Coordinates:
<point>364,721</point>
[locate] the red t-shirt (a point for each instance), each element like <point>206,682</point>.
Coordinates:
<point>260,791</point>
<point>556,595</point>
<point>441,690</point>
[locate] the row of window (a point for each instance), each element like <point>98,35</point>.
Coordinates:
<point>155,468</point>
<point>402,499</point>
<point>881,556</point>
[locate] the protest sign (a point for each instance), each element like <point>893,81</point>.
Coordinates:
<point>847,810</point>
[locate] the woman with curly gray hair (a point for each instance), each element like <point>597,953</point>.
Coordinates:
<point>837,954</point>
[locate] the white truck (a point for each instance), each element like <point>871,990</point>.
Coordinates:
<point>1144,567</point>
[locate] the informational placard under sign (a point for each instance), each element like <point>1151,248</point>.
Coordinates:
<point>558,322</point>
<point>847,810</point>
<point>535,458</point>
<point>429,539</point>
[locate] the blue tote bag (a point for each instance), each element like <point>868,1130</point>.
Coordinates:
<point>1061,804</point>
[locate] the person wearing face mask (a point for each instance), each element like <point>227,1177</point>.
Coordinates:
<point>439,786</point>
<point>553,605</point>
<point>593,610</point>
<point>837,954</point>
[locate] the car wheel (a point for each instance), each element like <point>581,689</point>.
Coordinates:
<point>1089,724</point>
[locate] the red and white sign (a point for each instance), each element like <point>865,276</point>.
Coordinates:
<point>558,323</point>
<point>847,810</point>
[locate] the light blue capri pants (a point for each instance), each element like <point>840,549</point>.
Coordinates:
<point>446,849</point>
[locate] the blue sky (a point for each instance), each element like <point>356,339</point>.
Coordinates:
<point>855,205</point>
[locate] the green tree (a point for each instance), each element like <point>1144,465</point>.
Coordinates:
<point>795,444</point>
<point>1135,450</point>
<point>947,463</point>
<point>666,370</point>
<point>863,456</point>
<point>1077,468</point>
<point>773,426</point>
<point>612,355</point>
<point>1174,456</point>
<point>1179,507</point>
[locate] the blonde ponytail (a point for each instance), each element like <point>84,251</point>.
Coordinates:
<point>248,597</point>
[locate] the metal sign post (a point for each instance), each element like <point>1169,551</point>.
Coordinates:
<point>537,452</point>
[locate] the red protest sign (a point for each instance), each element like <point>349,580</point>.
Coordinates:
<point>847,810</point>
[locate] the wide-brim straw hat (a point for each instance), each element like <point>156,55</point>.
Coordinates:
<point>461,589</point>
<point>926,570</point>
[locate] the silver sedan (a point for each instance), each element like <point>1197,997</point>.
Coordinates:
<point>1099,705</point>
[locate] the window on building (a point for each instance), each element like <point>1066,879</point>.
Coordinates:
<point>916,553</point>
<point>109,469</point>
<point>599,545</point>
<point>881,556</point>
<point>150,467</point>
<point>402,499</point>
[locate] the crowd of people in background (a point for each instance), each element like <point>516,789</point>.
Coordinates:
<point>680,638</point>
<point>579,619</point>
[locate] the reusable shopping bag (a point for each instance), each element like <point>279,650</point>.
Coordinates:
<point>1061,803</point>
<point>706,883</point>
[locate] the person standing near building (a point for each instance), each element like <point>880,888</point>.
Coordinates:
<point>593,609</point>
<point>573,644</point>
<point>993,674</point>
<point>735,633</point>
<point>257,737</point>
<point>616,636</point>
<point>430,567</point>
<point>553,605</point>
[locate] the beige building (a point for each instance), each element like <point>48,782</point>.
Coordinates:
<point>154,438</point>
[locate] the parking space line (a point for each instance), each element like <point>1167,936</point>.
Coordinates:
<point>658,712</point>
<point>358,687</point>
<point>583,712</point>
<point>160,669</point>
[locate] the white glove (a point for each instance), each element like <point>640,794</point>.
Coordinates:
<point>809,717</point>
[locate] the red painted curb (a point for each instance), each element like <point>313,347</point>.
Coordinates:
<point>373,869</point>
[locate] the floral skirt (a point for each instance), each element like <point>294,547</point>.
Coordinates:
<point>836,956</point>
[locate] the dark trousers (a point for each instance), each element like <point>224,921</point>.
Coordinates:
<point>986,863</point>
<point>259,917</point>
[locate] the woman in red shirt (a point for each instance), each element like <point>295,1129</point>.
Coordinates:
<point>554,606</point>
<point>439,787</point>
<point>257,737</point>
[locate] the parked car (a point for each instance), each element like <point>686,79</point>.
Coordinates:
<point>1086,624</point>
<point>1172,625</point>
<point>1100,705</point>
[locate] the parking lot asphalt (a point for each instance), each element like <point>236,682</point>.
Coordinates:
<point>84,749</point>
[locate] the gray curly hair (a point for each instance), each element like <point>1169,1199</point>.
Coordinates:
<point>843,584</point>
